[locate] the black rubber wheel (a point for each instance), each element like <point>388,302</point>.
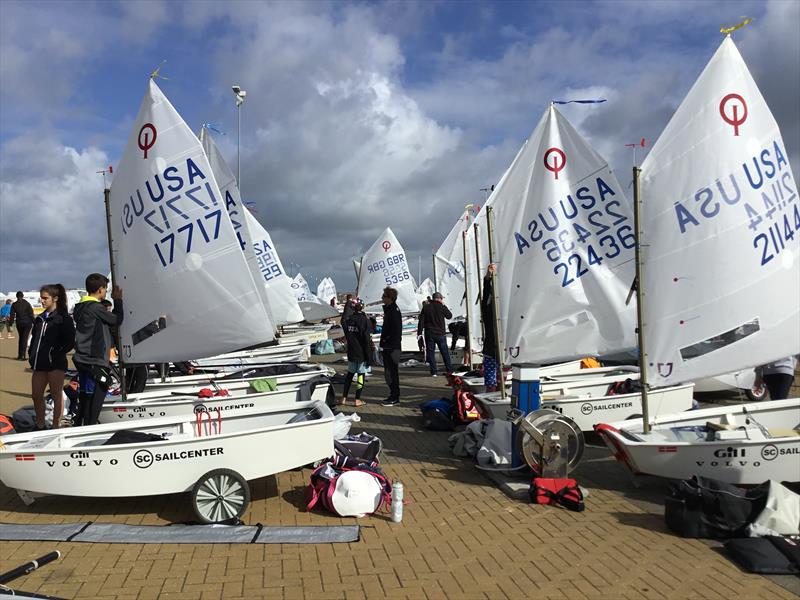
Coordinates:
<point>757,393</point>
<point>220,495</point>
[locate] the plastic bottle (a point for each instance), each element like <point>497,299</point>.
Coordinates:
<point>397,502</point>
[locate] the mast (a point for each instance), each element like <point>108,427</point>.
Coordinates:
<point>500,375</point>
<point>640,322</point>
<point>480,277</point>
<point>114,280</point>
<point>435,279</point>
<point>468,346</point>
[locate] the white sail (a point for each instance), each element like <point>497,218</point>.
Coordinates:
<point>449,265</point>
<point>565,245</point>
<point>302,291</point>
<point>721,221</point>
<point>425,290</point>
<point>236,211</point>
<point>326,291</point>
<point>356,268</point>
<point>282,301</point>
<point>385,265</point>
<point>188,292</point>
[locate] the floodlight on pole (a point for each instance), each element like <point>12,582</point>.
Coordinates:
<point>240,96</point>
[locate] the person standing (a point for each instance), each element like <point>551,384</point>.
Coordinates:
<point>432,323</point>
<point>778,376</point>
<point>22,314</point>
<point>347,311</point>
<point>391,344</point>
<point>93,341</point>
<point>53,337</point>
<point>359,352</point>
<point>490,379</point>
<point>5,318</point>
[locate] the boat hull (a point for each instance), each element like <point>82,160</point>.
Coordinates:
<point>63,464</point>
<point>750,460</point>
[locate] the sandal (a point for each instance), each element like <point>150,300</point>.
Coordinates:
<point>342,402</point>
<point>359,403</point>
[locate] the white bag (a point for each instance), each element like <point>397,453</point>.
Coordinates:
<point>782,512</point>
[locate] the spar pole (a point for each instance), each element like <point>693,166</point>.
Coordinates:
<point>640,322</point>
<point>115,281</point>
<point>476,229</point>
<point>468,345</point>
<point>496,305</point>
<point>435,278</point>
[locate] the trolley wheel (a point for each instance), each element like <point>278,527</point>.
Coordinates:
<point>220,495</point>
<point>757,393</point>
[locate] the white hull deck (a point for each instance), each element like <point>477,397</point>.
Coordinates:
<point>762,441</point>
<point>74,462</point>
<point>189,382</point>
<point>241,397</point>
<point>587,411</point>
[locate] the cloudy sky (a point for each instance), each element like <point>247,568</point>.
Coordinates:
<point>358,116</point>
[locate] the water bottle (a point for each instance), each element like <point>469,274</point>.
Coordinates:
<point>397,502</point>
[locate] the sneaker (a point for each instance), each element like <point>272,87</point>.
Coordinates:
<point>389,402</point>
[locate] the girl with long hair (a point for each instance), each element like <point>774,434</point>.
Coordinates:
<point>53,337</point>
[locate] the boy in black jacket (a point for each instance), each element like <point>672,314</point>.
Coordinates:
<point>390,344</point>
<point>93,341</point>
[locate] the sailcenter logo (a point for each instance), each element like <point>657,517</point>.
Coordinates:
<point>386,245</point>
<point>558,163</point>
<point>734,116</point>
<point>145,143</point>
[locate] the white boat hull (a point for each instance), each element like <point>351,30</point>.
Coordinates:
<point>673,450</point>
<point>240,399</point>
<point>588,410</point>
<point>188,382</point>
<point>253,445</point>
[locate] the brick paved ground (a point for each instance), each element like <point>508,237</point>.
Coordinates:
<point>461,537</point>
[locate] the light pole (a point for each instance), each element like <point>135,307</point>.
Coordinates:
<point>240,96</point>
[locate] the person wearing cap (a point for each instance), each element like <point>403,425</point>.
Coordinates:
<point>359,351</point>
<point>432,323</point>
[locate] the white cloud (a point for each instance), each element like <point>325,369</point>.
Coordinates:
<point>52,213</point>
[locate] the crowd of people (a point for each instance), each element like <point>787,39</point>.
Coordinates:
<point>45,341</point>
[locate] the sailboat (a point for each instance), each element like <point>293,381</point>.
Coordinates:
<point>449,271</point>
<point>326,291</point>
<point>565,248</point>
<point>720,239</point>
<point>313,309</point>
<point>188,293</point>
<point>385,265</point>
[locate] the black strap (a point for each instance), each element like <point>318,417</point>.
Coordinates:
<point>259,527</point>
<point>80,531</point>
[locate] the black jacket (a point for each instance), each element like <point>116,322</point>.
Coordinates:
<point>359,343</point>
<point>489,321</point>
<point>347,311</point>
<point>93,338</point>
<point>53,337</point>
<point>22,312</point>
<point>392,331</point>
<point>432,318</point>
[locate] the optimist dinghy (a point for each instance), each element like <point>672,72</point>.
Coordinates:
<point>231,399</point>
<point>211,458</point>
<point>281,372</point>
<point>722,280</point>
<point>744,444</point>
